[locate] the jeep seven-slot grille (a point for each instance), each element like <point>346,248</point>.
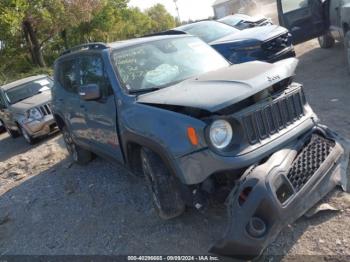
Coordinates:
<point>309,161</point>
<point>272,118</point>
<point>45,109</point>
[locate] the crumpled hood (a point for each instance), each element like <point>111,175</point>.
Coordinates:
<point>216,90</point>
<point>33,101</point>
<point>261,33</point>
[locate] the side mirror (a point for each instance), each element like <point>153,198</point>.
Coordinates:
<point>90,92</point>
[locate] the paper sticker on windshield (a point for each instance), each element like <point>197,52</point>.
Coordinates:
<point>198,46</point>
<point>42,82</point>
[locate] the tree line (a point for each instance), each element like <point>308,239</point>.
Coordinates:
<point>33,33</point>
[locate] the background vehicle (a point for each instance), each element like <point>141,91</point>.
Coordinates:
<point>25,107</point>
<point>172,108</point>
<point>241,21</point>
<point>328,20</point>
<point>266,43</point>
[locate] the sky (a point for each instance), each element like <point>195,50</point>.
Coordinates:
<point>189,9</point>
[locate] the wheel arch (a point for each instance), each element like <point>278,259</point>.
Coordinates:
<point>133,144</point>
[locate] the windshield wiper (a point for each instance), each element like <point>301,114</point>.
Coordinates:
<point>146,90</point>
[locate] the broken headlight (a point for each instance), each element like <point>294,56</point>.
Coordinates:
<point>33,114</point>
<point>220,134</point>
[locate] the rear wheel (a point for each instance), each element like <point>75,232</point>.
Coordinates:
<point>79,155</point>
<point>164,187</point>
<point>326,41</point>
<point>347,49</point>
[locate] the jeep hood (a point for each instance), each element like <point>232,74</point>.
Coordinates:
<point>33,101</point>
<point>261,33</point>
<point>219,89</point>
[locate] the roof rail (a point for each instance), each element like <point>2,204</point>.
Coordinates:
<point>87,46</point>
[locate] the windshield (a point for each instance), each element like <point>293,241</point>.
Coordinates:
<point>209,31</point>
<point>19,93</point>
<point>165,62</point>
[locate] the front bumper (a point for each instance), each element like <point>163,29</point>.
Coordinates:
<point>275,193</point>
<point>284,54</point>
<point>38,128</point>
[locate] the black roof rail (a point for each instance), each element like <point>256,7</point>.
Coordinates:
<point>88,46</point>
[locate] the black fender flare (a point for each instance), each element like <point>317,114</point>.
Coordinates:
<point>168,159</point>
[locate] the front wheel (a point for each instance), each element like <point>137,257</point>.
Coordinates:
<point>79,155</point>
<point>347,49</point>
<point>326,41</point>
<point>12,133</point>
<point>164,187</point>
<point>30,140</point>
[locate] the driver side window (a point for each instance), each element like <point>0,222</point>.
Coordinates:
<point>92,71</point>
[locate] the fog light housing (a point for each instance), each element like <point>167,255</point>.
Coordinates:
<point>256,227</point>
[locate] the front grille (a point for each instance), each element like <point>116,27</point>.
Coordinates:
<point>276,44</point>
<point>45,109</point>
<point>309,160</point>
<point>271,118</point>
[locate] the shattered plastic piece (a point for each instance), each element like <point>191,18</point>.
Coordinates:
<point>320,208</point>
<point>282,190</point>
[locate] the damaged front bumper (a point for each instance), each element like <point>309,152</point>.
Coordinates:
<point>275,193</point>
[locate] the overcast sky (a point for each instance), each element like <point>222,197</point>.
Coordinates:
<point>189,9</point>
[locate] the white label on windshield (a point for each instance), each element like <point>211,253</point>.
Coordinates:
<point>43,82</point>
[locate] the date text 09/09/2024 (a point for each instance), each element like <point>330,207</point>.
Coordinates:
<point>173,258</point>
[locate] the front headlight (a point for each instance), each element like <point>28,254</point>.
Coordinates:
<point>34,114</point>
<point>220,134</point>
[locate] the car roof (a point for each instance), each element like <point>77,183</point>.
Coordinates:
<point>187,26</point>
<point>115,45</point>
<point>21,82</point>
<point>142,40</point>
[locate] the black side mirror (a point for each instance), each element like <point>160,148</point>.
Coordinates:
<point>90,92</point>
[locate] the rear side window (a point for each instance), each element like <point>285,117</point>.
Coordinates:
<point>67,76</point>
<point>92,71</point>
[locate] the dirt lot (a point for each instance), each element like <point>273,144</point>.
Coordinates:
<point>49,206</point>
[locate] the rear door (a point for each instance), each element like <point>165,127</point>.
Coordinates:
<point>305,19</point>
<point>101,115</point>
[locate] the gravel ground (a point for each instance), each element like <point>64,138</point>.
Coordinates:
<point>49,206</point>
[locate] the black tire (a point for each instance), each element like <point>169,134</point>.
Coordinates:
<point>2,127</point>
<point>28,138</point>
<point>12,133</point>
<point>79,155</point>
<point>326,41</point>
<point>347,49</point>
<point>164,187</point>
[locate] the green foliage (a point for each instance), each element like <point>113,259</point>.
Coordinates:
<point>60,24</point>
<point>161,19</point>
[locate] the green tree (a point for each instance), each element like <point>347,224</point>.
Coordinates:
<point>161,18</point>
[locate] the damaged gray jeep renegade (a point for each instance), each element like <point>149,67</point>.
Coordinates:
<point>173,109</point>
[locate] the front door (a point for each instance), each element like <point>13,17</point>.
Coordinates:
<point>67,98</point>
<point>305,19</point>
<point>100,115</point>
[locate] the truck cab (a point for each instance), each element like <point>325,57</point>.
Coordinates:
<point>328,20</point>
